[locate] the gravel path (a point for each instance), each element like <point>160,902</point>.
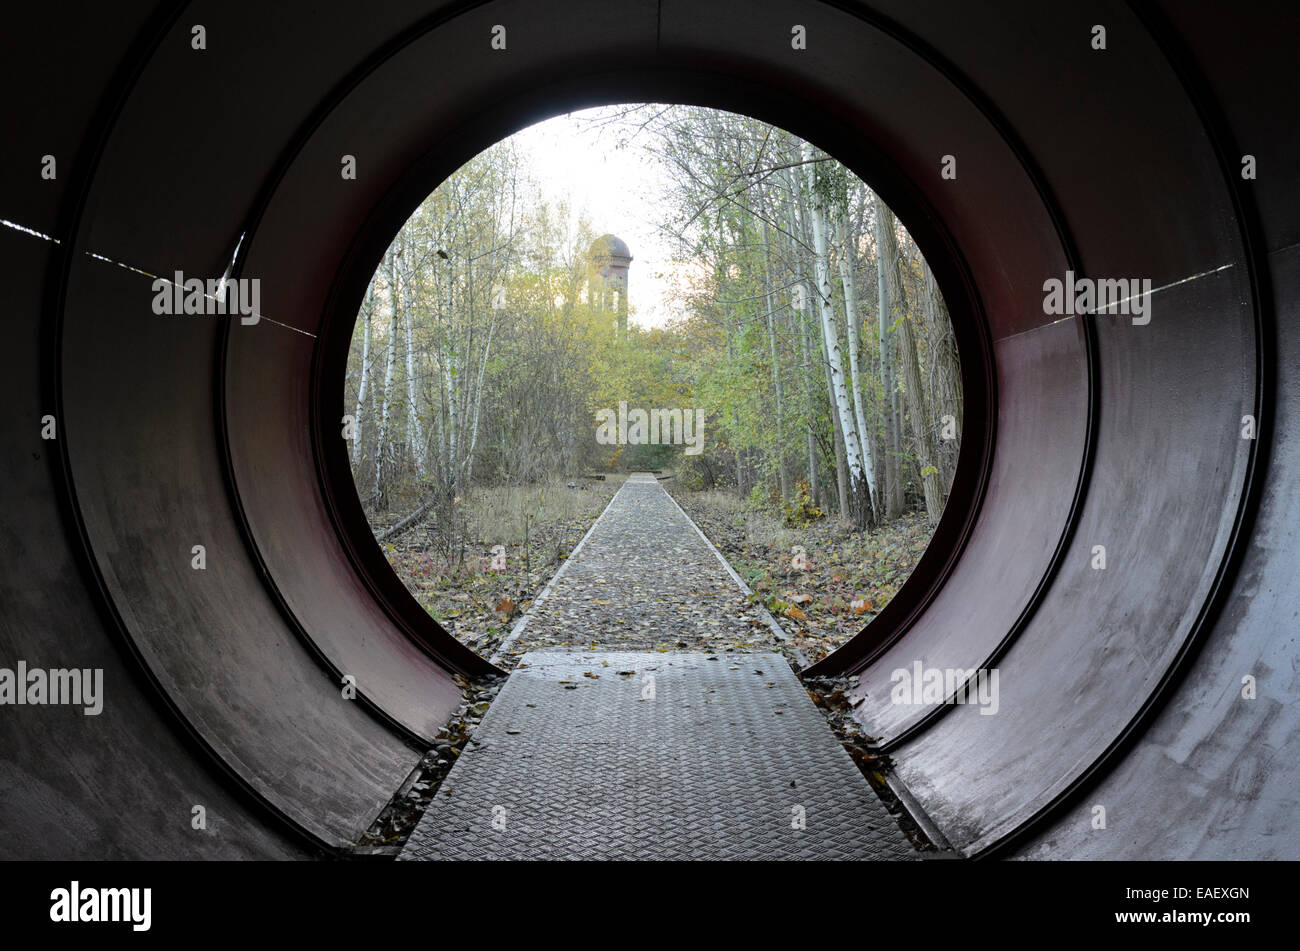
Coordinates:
<point>644,579</point>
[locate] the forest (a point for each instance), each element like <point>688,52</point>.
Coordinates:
<point>808,337</point>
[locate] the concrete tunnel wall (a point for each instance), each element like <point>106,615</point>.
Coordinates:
<point>1119,688</point>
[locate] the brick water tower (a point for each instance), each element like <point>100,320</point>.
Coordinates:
<point>608,260</point>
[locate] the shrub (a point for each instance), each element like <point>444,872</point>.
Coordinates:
<point>801,510</point>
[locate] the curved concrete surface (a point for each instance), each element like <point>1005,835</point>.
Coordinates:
<point>1120,688</point>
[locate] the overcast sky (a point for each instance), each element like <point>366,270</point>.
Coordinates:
<point>576,160</point>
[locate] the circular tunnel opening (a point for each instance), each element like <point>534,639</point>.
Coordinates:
<point>1108,434</point>
<point>512,363</point>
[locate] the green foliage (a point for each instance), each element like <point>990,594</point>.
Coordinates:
<point>800,510</point>
<point>509,396</point>
<point>646,458</point>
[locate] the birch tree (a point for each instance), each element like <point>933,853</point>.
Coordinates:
<point>382,449</point>
<point>859,489</point>
<point>414,428</point>
<point>886,296</point>
<point>506,394</point>
<point>847,259</point>
<point>367,313</point>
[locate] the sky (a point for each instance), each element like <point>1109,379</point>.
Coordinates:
<point>576,160</point>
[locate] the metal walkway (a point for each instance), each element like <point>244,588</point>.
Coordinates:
<point>588,755</point>
<point>640,752</point>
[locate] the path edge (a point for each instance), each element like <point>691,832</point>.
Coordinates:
<point>777,630</point>
<point>546,589</point>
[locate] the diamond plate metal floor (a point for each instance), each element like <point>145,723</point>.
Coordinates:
<point>588,755</point>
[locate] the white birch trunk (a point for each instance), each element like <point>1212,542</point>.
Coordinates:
<point>851,318</point>
<point>886,255</point>
<point>770,303</point>
<point>367,311</point>
<point>844,409</point>
<point>381,468</point>
<point>414,429</point>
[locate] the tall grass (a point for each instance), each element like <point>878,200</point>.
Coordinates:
<point>761,527</point>
<point>502,514</point>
